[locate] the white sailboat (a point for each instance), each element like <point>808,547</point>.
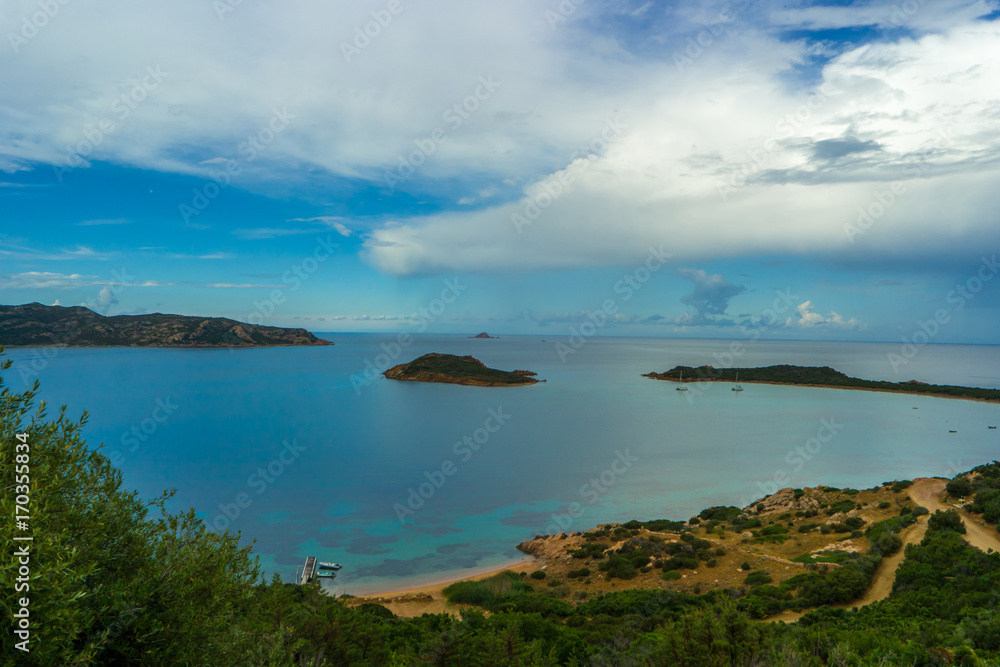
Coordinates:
<point>682,387</point>
<point>737,387</point>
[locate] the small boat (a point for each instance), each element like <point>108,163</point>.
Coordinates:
<point>682,387</point>
<point>993,428</point>
<point>737,387</point>
<point>952,431</point>
<point>329,566</point>
<point>323,574</point>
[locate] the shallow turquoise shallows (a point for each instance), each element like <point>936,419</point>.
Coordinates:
<point>403,483</point>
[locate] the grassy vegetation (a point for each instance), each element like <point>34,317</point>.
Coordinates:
<point>818,375</point>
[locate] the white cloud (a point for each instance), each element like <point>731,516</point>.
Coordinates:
<point>213,255</point>
<point>690,132</point>
<point>918,112</point>
<point>333,222</point>
<point>103,221</point>
<point>807,318</point>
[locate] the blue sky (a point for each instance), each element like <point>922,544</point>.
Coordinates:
<point>685,162</point>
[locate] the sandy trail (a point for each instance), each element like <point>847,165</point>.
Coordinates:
<point>885,575</point>
<point>925,492</point>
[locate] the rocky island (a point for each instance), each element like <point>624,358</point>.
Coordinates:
<point>818,376</point>
<point>452,369</point>
<point>483,335</point>
<point>76,326</point>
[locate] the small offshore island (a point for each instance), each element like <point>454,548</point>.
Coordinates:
<point>35,324</point>
<point>452,369</point>
<point>818,376</point>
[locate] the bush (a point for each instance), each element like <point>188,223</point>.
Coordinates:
<point>960,487</point>
<point>589,550</point>
<point>579,574</point>
<point>537,574</point>
<point>949,520</point>
<point>884,505</point>
<point>901,485</point>
<point>920,511</point>
<point>712,563</point>
<point>487,592</point>
<point>758,577</point>
<point>744,566</point>
<point>854,522</point>
<point>671,575</point>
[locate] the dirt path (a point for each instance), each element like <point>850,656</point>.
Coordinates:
<point>925,492</point>
<point>882,581</point>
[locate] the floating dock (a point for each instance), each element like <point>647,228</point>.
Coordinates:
<point>308,570</point>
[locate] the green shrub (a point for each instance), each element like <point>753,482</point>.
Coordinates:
<point>758,577</point>
<point>671,575</point>
<point>854,522</point>
<point>960,487</point>
<point>901,485</point>
<point>487,592</point>
<point>537,574</point>
<point>948,520</point>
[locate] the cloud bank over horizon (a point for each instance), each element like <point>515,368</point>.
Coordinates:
<point>476,139</point>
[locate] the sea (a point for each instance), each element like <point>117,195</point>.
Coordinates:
<point>308,451</point>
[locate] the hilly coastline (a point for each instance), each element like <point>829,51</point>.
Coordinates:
<point>35,324</point>
<point>818,376</point>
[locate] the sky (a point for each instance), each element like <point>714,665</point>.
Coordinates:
<point>789,170</point>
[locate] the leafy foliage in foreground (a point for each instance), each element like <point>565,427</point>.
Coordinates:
<point>124,585</point>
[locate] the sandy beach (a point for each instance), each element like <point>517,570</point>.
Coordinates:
<point>429,599</point>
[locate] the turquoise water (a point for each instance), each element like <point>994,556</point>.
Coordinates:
<point>296,449</point>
